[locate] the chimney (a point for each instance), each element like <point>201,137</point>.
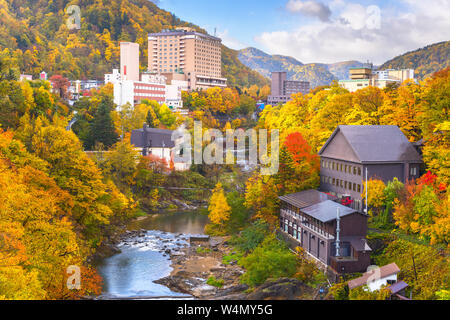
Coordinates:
<point>338,230</point>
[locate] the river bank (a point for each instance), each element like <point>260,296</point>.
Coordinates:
<point>199,262</point>
<point>154,259</point>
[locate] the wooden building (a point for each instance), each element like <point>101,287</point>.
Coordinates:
<point>309,219</point>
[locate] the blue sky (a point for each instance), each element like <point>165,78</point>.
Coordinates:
<point>321,31</point>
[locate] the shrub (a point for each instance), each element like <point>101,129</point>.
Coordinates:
<point>212,281</point>
<point>253,236</point>
<point>271,259</point>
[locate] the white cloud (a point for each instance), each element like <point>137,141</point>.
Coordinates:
<point>230,41</point>
<point>353,35</point>
<point>310,8</point>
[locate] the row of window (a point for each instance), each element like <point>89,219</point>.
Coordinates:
<point>342,184</point>
<point>139,94</point>
<point>150,88</point>
<point>336,166</point>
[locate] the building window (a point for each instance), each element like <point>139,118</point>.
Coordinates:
<point>359,188</point>
<point>413,171</point>
<point>359,171</point>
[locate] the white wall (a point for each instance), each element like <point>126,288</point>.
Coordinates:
<point>124,93</point>
<point>377,284</point>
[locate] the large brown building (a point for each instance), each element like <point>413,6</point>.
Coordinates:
<point>184,51</point>
<point>384,151</point>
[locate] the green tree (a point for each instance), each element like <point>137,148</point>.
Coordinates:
<point>102,128</point>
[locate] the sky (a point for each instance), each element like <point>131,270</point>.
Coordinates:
<point>320,30</point>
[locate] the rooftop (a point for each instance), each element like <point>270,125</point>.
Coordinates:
<point>376,144</point>
<point>379,273</point>
<point>306,198</point>
<point>181,32</point>
<point>153,138</point>
<point>398,286</point>
<point>326,211</point>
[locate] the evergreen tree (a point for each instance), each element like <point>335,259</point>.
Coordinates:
<point>102,128</point>
<point>150,119</point>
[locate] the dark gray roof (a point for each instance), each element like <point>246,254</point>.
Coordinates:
<point>306,198</point>
<point>397,287</point>
<point>327,211</point>
<point>152,138</point>
<point>358,243</point>
<point>377,144</point>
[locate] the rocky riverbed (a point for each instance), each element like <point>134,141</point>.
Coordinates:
<point>196,263</point>
<point>188,266</point>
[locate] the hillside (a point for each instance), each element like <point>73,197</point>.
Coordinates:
<point>316,73</point>
<point>425,61</point>
<point>265,63</point>
<point>237,73</point>
<point>35,32</point>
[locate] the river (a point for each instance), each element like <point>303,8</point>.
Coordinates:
<point>130,274</point>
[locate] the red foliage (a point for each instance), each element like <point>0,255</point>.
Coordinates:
<point>300,150</point>
<point>156,163</point>
<point>428,179</point>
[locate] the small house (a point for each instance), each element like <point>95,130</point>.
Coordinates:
<point>158,142</point>
<point>376,278</point>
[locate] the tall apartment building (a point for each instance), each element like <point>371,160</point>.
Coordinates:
<point>184,51</point>
<point>282,89</point>
<point>129,61</point>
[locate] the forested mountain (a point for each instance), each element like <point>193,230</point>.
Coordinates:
<point>425,61</point>
<point>265,64</point>
<point>316,73</point>
<point>37,35</point>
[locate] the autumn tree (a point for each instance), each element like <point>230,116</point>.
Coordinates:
<point>299,166</point>
<point>424,268</point>
<point>61,85</point>
<point>219,209</point>
<point>261,196</point>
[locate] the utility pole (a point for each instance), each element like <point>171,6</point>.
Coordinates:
<point>367,191</point>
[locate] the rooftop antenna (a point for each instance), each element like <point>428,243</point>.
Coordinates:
<point>215,32</point>
<point>338,231</point>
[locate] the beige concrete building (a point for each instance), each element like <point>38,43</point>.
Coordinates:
<point>129,61</point>
<point>188,54</point>
<point>365,77</point>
